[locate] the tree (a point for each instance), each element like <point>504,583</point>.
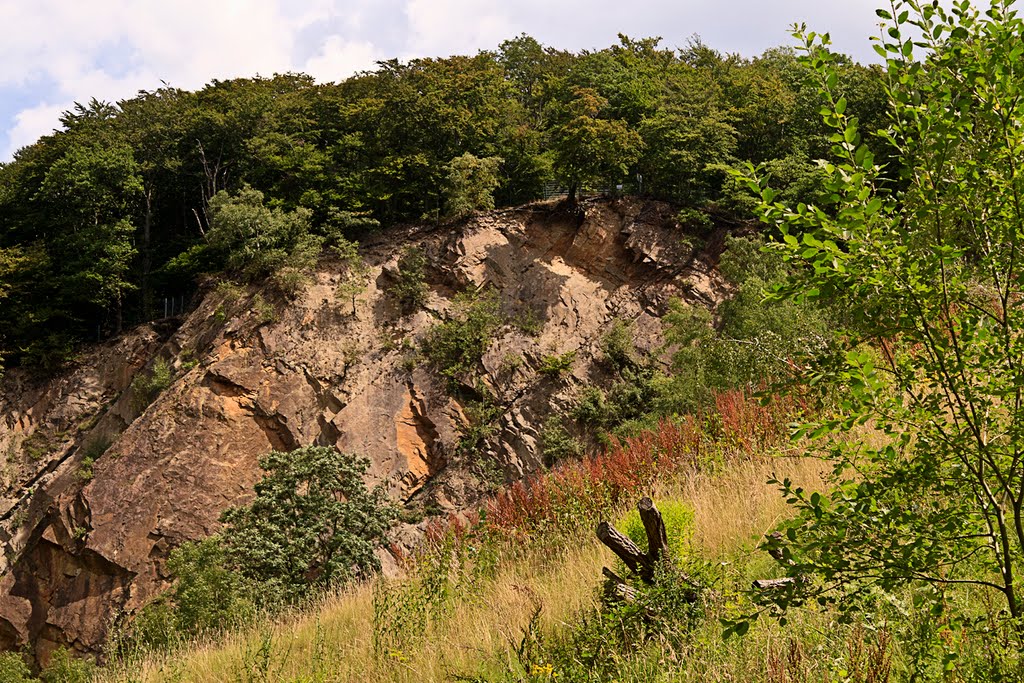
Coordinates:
<point>90,195</point>
<point>410,284</point>
<point>313,522</point>
<point>356,273</point>
<point>930,278</point>
<point>470,184</point>
<point>258,241</point>
<point>590,149</point>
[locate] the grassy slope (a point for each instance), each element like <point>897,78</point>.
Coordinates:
<point>335,640</point>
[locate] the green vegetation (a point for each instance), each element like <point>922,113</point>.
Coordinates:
<point>410,286</point>
<point>14,669</point>
<point>556,365</point>
<point>456,346</point>
<point>753,345</point>
<point>893,318</point>
<point>313,525</point>
<point>146,386</point>
<point>63,668</point>
<point>254,241</point>
<point>931,278</point>
<point>355,274</point>
<point>129,200</point>
<point>471,183</point>
<point>557,444</point>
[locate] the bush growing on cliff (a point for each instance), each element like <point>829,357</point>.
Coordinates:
<point>148,385</point>
<point>456,346</point>
<point>13,668</point>
<point>254,241</point>
<point>312,524</point>
<point>410,287</point>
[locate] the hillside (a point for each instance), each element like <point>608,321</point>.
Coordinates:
<point>99,487</point>
<point>765,345</point>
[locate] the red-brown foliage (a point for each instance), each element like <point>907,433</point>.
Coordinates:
<point>580,491</point>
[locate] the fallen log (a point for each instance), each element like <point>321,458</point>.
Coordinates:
<point>616,589</point>
<point>772,584</point>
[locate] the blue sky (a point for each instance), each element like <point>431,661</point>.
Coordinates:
<point>57,52</point>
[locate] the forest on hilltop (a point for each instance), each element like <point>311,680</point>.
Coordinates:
<point>102,219</point>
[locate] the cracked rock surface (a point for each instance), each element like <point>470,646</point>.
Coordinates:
<point>98,488</point>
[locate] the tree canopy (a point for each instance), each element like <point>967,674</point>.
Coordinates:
<point>124,203</point>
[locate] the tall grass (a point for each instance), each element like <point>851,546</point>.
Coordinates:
<point>527,560</point>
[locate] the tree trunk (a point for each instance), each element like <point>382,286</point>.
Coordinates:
<point>147,256</point>
<point>654,526</point>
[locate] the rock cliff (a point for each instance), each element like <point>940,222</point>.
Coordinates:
<point>98,487</point>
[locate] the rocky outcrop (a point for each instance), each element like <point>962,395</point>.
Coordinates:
<point>98,487</point>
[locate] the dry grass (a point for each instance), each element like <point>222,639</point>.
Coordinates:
<point>334,642</point>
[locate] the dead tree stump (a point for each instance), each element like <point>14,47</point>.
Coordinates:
<point>642,564</point>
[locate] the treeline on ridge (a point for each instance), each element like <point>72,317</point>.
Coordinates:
<point>103,219</point>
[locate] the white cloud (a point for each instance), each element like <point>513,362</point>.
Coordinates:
<point>110,49</point>
<point>339,59</point>
<point>445,27</point>
<point>30,124</point>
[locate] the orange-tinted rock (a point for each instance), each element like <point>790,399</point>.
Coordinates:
<point>78,552</point>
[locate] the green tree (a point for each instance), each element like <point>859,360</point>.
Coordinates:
<point>208,594</point>
<point>258,241</point>
<point>355,274</point>
<point>930,276</point>
<point>313,522</point>
<point>589,149</point>
<point>470,184</point>
<point>410,286</point>
<point>90,195</point>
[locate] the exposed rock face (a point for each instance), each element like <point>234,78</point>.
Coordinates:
<point>85,541</point>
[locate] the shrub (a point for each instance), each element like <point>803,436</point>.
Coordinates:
<point>617,345</point>
<point>456,346</point>
<point>85,473</point>
<point>556,444</point>
<point>313,523</point>
<point>13,668</point>
<point>66,668</point>
<point>410,287</point>
<point>257,241</point>
<point>355,273</point>
<point>556,365</point>
<point>209,594</point>
<point>482,420</point>
<point>632,402</point>
<point>755,343</point>
<point>678,518</point>
<point>208,597</point>
<point>146,387</point>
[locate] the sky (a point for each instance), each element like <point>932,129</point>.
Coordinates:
<point>57,52</point>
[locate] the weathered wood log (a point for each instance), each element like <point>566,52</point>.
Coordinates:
<point>625,549</point>
<point>654,526</point>
<point>771,584</point>
<point>777,554</point>
<point>616,589</point>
